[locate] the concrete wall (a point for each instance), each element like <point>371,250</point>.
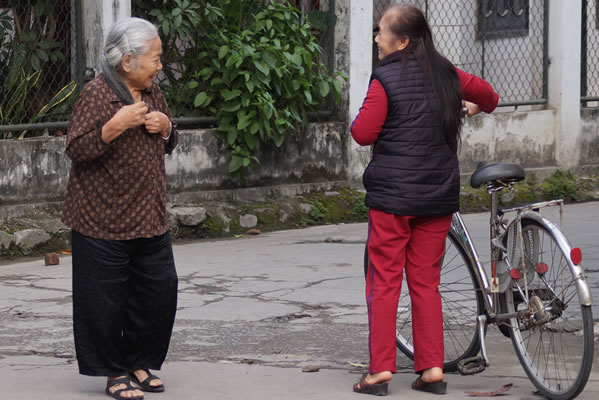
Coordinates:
<point>36,170</point>
<point>527,138</point>
<point>98,16</point>
<point>589,137</point>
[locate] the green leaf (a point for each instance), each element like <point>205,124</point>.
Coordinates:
<point>43,56</point>
<point>296,59</point>
<point>230,94</point>
<point>200,99</point>
<point>233,60</point>
<point>324,88</point>
<point>337,86</point>
<point>231,136</point>
<point>35,62</point>
<point>268,111</point>
<point>222,51</point>
<point>308,96</point>
<point>206,72</point>
<point>254,127</point>
<point>244,122</point>
<point>252,141</point>
<point>235,164</point>
<point>278,139</point>
<point>270,59</point>
<point>261,67</point>
<point>231,106</point>
<point>250,85</point>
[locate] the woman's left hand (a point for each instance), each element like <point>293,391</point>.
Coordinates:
<point>472,109</point>
<point>157,122</point>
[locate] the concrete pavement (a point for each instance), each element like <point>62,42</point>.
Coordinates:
<point>253,311</point>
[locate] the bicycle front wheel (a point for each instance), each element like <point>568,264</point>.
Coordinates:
<point>553,333</point>
<point>462,301</point>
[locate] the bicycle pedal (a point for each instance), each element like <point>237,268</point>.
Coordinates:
<point>471,366</point>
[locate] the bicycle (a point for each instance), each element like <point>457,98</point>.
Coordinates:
<point>537,294</point>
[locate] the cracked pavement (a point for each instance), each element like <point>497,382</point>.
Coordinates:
<point>281,300</point>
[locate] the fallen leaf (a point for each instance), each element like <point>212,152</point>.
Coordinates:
<point>497,392</point>
<point>353,364</point>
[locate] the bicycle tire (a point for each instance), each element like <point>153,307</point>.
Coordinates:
<point>462,302</point>
<point>557,354</point>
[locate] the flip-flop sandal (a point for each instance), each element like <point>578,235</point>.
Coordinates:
<point>117,393</point>
<point>145,384</point>
<point>376,389</point>
<point>439,387</point>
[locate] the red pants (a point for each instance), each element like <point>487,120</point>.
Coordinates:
<point>415,243</point>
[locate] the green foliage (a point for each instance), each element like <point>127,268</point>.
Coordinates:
<point>319,212</point>
<point>344,205</point>
<point>359,209</point>
<point>34,43</point>
<point>27,46</point>
<point>254,66</point>
<point>561,185</point>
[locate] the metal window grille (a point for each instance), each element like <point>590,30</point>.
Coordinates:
<point>589,81</point>
<point>504,42</point>
<point>60,22</point>
<point>40,51</point>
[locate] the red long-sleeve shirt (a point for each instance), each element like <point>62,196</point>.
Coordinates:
<point>370,120</point>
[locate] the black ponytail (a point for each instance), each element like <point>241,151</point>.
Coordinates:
<point>408,22</point>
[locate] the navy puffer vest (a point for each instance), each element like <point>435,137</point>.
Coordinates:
<point>414,171</point>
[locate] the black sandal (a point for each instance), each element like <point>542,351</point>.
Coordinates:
<point>439,387</point>
<point>376,389</point>
<point>145,384</point>
<point>117,393</point>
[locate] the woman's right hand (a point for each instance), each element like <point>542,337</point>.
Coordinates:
<point>127,117</point>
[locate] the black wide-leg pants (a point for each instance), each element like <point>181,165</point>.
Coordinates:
<point>124,303</point>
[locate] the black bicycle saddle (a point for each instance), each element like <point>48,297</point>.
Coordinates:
<point>496,172</point>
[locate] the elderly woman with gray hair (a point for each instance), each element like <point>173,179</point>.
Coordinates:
<point>124,277</point>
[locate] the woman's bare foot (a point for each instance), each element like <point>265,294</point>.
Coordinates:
<point>127,394</point>
<point>142,375</point>
<point>434,374</point>
<point>379,377</point>
<point>375,384</point>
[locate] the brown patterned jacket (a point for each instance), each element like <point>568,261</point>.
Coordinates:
<point>116,191</point>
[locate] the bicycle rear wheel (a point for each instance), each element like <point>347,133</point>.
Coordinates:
<point>462,302</point>
<point>553,334</point>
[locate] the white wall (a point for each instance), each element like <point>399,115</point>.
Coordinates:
<point>564,78</point>
<point>360,68</point>
<point>98,16</point>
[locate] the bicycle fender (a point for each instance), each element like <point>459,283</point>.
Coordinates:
<point>584,293</point>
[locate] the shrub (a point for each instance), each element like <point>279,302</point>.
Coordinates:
<point>254,66</point>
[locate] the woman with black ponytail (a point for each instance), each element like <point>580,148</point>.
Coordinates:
<point>412,115</point>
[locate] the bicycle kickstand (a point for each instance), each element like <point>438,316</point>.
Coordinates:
<point>476,364</point>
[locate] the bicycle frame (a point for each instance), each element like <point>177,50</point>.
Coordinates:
<point>498,229</point>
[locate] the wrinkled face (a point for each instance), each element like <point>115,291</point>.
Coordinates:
<point>140,71</point>
<point>386,41</point>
